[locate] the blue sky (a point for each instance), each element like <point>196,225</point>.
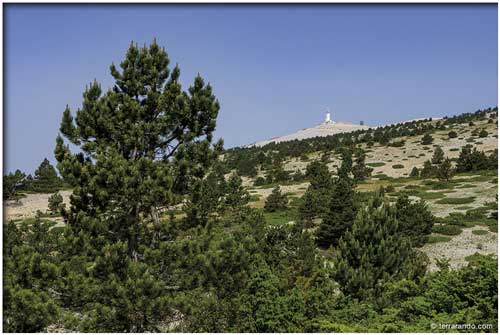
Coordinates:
<point>274,68</point>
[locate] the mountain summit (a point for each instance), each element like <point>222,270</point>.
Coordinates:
<point>327,128</point>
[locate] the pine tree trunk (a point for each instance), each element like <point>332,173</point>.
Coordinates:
<point>133,234</point>
<point>156,222</point>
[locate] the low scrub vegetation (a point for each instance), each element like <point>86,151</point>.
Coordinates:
<point>456,201</point>
<point>446,229</point>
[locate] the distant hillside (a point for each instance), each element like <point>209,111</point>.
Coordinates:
<point>394,144</point>
<point>323,129</point>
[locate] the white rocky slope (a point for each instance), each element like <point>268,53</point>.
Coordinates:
<point>323,129</point>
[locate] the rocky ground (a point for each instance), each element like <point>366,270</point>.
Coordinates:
<point>323,129</point>
<point>28,206</point>
<point>461,246</point>
<point>413,153</point>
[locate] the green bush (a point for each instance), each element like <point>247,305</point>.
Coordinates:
<point>375,164</point>
<point>427,139</point>
<point>466,186</point>
<point>438,239</point>
<point>456,201</point>
<point>276,201</point>
<point>382,176</point>
<point>398,166</point>
<point>55,202</point>
<point>389,189</point>
<point>446,229</point>
<point>463,208</point>
<point>430,195</point>
<point>259,181</point>
<point>254,198</point>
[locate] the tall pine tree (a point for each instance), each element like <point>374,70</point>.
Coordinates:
<point>342,206</point>
<point>373,252</point>
<point>46,178</point>
<point>340,216</point>
<point>143,144</point>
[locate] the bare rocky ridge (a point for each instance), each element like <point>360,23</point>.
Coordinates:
<point>321,130</point>
<point>461,246</point>
<point>28,206</point>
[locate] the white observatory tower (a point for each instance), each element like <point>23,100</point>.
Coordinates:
<point>327,118</point>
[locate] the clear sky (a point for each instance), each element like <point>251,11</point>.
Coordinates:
<point>274,68</point>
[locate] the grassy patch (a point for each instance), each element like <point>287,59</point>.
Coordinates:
<point>477,176</point>
<point>431,195</point>
<point>58,230</point>
<point>472,218</point>
<point>473,259</point>
<point>375,164</point>
<point>446,230</point>
<point>382,176</point>
<point>456,201</point>
<point>254,197</point>
<point>279,218</point>
<point>466,186</point>
<point>464,208</point>
<point>479,232</point>
<point>438,239</point>
<point>398,166</point>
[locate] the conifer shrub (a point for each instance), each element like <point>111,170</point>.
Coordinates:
<point>438,156</point>
<point>373,249</point>
<point>427,139</point>
<point>260,181</point>
<point>46,179</point>
<point>456,201</point>
<point>431,239</point>
<point>12,183</point>
<point>342,209</point>
<point>483,133</point>
<point>55,202</point>
<point>446,229</point>
<point>276,201</point>
<point>375,164</point>
<point>445,171</point>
